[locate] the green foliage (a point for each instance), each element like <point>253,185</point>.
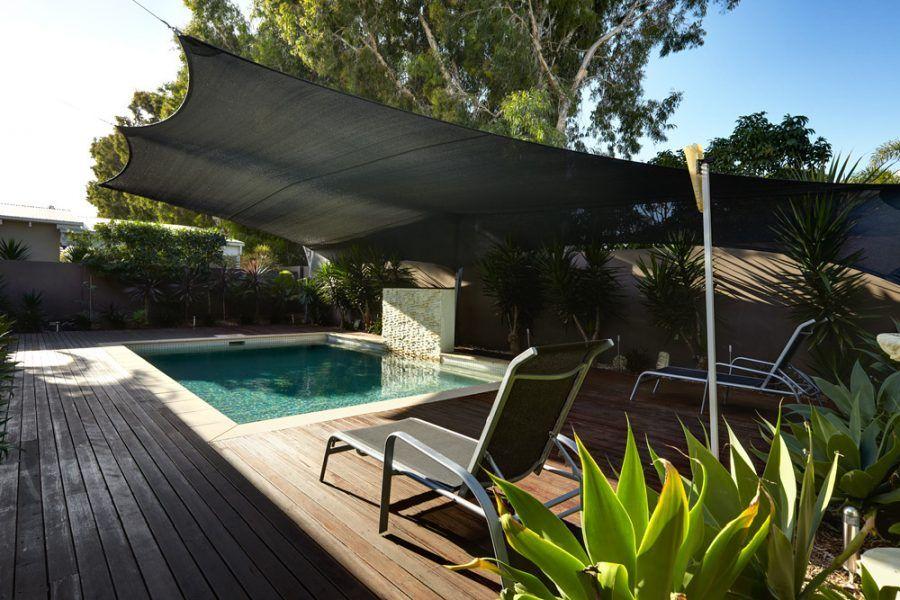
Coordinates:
<point>778,572</point>
<point>219,22</point>
<point>525,69</point>
<point>7,371</point>
<point>627,551</point>
<point>672,284</point>
<point>638,360</point>
<point>813,232</point>
<point>12,249</point>
<point>309,295</point>
<point>191,285</point>
<point>579,285</point>
<point>283,290</point>
<point>354,280</point>
<point>862,431</point>
<point>255,279</point>
<point>139,318</point>
<point>30,318</point>
<point>114,316</point>
<point>131,250</point>
<point>511,279</point>
<point>760,148</point>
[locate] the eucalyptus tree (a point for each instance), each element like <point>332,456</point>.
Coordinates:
<point>563,73</point>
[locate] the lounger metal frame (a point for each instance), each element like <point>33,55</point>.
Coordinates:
<point>482,504</point>
<point>780,378</point>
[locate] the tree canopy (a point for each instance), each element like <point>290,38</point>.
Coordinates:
<point>757,147</point>
<point>561,73</point>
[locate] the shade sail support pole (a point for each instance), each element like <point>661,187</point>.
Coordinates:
<point>710,314</point>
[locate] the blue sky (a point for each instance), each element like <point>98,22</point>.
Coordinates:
<point>69,66</point>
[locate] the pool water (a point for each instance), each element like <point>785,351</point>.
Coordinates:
<point>254,384</point>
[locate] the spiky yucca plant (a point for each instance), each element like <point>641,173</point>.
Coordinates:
<point>813,232</point>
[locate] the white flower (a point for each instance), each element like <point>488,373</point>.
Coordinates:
<point>890,343</point>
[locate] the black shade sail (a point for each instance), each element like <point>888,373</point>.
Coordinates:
<point>325,168</point>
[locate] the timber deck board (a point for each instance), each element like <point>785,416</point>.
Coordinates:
<point>107,493</point>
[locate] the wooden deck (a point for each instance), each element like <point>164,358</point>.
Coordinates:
<point>108,494</point>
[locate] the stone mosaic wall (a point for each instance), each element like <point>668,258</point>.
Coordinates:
<point>419,322</point>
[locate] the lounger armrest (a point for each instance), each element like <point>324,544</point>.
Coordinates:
<point>428,451</point>
<point>779,376</point>
<point>751,360</point>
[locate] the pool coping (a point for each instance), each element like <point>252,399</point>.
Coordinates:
<point>212,425</point>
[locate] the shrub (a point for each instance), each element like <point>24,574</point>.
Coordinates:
<point>11,249</point>
<point>862,431</point>
<point>355,279</point>
<point>673,287</point>
<point>780,571</point>
<point>639,360</point>
<point>81,321</point>
<point>139,319</point>
<point>813,232</point>
<point>511,280</point>
<point>627,550</point>
<point>31,312</point>
<point>583,295</point>
<point>115,317</point>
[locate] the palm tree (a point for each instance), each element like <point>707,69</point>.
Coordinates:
<point>147,289</point>
<point>11,249</point>
<point>255,279</point>
<point>510,276</point>
<point>189,287</point>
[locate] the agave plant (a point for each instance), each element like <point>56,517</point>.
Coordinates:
<point>11,249</point>
<point>780,571</point>
<point>862,431</point>
<point>627,551</point>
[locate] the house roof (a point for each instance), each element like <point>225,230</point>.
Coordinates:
<point>39,214</point>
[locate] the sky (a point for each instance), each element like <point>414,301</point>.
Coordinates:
<point>70,67</point>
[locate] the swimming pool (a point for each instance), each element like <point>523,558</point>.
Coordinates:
<point>249,384</point>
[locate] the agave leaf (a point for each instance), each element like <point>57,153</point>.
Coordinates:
<point>855,424</point>
<point>563,569</point>
<point>780,568</point>
<point>886,464</point>
<point>657,463</point>
<point>632,488</point>
<point>863,392</point>
<point>613,581</point>
<point>838,394</point>
<point>717,571</point>
<point>695,534</point>
<point>857,484</point>
<point>887,498</point>
<point>605,525</point>
<point>540,519</point>
<point>781,482</point>
<point>531,583</point>
<point>724,501</point>
<point>836,424</point>
<point>889,394</point>
<point>664,536</point>
<point>868,444</point>
<point>847,448</point>
<point>867,584</point>
<point>743,473</point>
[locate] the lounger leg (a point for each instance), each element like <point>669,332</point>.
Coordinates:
<point>705,391</point>
<point>636,385</point>
<point>387,475</point>
<point>328,448</point>
<point>656,385</point>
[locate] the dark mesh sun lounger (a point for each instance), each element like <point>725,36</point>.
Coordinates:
<point>523,427</point>
<point>779,378</point>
